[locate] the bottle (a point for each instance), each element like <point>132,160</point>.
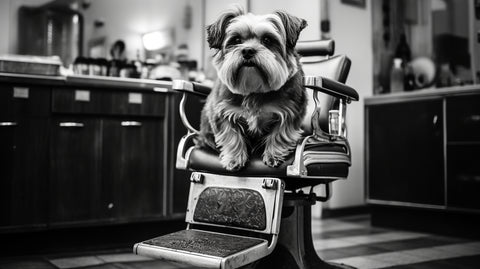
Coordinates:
<point>397,76</point>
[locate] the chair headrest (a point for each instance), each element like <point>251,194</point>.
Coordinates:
<point>316,48</point>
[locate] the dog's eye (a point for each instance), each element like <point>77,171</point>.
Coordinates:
<point>266,40</point>
<point>236,40</point>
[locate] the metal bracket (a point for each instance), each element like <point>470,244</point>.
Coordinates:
<point>197,178</point>
<point>328,193</point>
<point>269,183</point>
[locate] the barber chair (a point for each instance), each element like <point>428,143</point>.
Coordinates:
<point>260,217</point>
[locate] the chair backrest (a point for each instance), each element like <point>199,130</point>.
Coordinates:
<point>336,68</point>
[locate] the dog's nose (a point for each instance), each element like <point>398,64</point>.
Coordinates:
<point>248,53</point>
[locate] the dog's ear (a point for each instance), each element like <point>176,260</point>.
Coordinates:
<point>293,27</point>
<point>216,30</point>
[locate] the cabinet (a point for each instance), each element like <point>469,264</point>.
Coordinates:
<point>23,155</point>
<point>133,167</point>
<point>108,160</point>
<point>463,150</point>
<point>405,152</point>
<point>81,153</point>
<point>423,150</point>
<point>75,185</point>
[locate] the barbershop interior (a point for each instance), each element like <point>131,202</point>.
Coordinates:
<point>358,147</point>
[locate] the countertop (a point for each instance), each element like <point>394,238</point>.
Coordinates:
<point>421,94</point>
<point>89,81</point>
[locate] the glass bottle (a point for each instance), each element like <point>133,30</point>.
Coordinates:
<point>397,76</point>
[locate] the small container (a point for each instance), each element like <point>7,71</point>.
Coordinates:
<point>397,76</point>
<point>80,66</point>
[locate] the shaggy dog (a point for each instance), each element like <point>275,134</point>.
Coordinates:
<point>258,101</point>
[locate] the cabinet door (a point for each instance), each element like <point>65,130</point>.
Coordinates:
<point>463,175</point>
<point>23,172</point>
<point>405,152</point>
<point>23,156</point>
<point>75,188</point>
<point>133,166</point>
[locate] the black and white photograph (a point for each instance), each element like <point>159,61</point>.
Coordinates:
<point>251,134</point>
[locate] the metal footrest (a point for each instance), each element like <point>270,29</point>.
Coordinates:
<point>204,248</point>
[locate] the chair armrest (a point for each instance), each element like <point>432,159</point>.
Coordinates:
<point>191,87</point>
<point>330,87</point>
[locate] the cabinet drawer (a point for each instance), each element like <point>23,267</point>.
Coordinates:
<point>463,118</point>
<point>108,102</point>
<point>463,176</point>
<point>18,100</point>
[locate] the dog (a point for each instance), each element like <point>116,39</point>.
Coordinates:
<point>258,101</point>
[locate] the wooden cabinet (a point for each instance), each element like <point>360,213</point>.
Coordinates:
<point>405,152</point>
<point>133,167</point>
<point>108,162</point>
<point>463,151</point>
<point>424,152</point>
<point>75,179</point>
<point>23,156</point>
<point>76,156</point>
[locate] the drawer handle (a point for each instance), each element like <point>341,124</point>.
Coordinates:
<point>131,124</point>
<point>8,123</point>
<point>473,118</point>
<point>71,124</point>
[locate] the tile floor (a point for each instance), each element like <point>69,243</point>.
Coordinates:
<point>349,240</point>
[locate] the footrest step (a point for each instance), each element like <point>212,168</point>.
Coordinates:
<point>204,248</point>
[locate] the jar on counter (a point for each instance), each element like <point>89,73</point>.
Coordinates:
<point>80,66</point>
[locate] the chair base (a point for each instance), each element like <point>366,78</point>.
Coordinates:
<point>295,248</point>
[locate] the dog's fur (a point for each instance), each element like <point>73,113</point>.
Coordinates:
<point>258,101</point>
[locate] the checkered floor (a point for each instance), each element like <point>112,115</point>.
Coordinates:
<point>348,240</point>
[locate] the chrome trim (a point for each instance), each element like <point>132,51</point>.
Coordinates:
<point>131,124</point>
<point>182,152</point>
<point>201,260</point>
<point>71,124</point>
<point>183,115</point>
<point>8,123</point>
<point>182,85</point>
<point>297,168</point>
<point>235,260</point>
<point>313,81</point>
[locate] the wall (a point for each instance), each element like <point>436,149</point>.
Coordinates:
<point>4,26</point>
<point>308,10</point>
<point>351,29</point>
<point>128,20</point>
<point>9,22</point>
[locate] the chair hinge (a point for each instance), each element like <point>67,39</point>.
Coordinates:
<point>269,183</point>
<point>197,178</point>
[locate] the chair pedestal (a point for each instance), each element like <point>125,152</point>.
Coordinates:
<point>295,245</point>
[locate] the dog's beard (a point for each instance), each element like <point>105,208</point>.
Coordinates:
<point>263,73</point>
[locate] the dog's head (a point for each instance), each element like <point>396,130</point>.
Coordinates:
<point>255,54</point>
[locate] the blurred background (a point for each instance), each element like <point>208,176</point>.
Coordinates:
<point>401,51</point>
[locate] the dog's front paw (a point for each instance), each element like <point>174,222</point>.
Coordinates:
<point>234,162</point>
<point>272,160</point>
